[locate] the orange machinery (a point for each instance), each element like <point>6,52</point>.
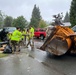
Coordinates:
<point>60,41</point>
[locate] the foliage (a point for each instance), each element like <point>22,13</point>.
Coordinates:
<point>3,55</point>
<point>20,22</point>
<point>73,13</point>
<point>35,17</point>
<point>42,24</point>
<point>66,18</point>
<point>8,21</point>
<point>2,16</point>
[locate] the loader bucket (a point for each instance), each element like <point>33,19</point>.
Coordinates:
<point>58,46</point>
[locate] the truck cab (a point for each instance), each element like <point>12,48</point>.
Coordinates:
<point>40,33</point>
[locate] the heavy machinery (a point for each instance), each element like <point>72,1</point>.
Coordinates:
<point>60,41</point>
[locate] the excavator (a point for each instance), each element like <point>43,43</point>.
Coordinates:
<point>60,41</point>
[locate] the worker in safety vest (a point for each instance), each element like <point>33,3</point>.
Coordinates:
<point>32,31</point>
<point>30,37</point>
<point>24,37</point>
<point>15,40</point>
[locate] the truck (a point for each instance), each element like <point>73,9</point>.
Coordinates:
<point>40,33</point>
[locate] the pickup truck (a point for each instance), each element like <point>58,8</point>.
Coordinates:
<point>40,33</point>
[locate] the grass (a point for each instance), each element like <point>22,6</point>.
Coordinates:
<point>3,55</point>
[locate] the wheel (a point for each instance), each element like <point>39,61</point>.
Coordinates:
<point>37,37</point>
<point>42,37</point>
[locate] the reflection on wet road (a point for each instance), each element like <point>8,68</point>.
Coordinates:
<point>65,64</point>
<point>23,64</point>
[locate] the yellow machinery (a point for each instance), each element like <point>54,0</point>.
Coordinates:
<point>60,41</point>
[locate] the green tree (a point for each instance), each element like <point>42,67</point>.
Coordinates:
<point>73,13</point>
<point>8,21</point>
<point>42,24</point>
<point>35,17</point>
<point>66,18</point>
<point>2,16</point>
<point>20,22</point>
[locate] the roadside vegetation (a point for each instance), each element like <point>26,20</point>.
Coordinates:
<point>3,55</point>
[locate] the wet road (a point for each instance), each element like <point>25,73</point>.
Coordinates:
<point>37,62</point>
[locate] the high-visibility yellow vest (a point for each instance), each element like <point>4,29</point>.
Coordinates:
<point>23,33</point>
<point>16,35</point>
<point>32,31</point>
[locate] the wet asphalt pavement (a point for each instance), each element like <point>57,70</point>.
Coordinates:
<point>37,62</point>
<point>23,64</point>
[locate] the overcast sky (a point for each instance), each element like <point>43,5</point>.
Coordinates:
<point>47,8</point>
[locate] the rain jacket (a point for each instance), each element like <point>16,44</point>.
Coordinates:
<point>32,31</point>
<point>16,35</point>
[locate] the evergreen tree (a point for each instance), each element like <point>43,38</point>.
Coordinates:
<point>66,18</point>
<point>35,17</point>
<point>73,13</point>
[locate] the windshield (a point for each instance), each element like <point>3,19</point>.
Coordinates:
<point>9,29</point>
<point>74,28</point>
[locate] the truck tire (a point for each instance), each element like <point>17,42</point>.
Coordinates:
<point>42,37</point>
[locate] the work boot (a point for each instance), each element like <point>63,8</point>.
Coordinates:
<point>32,47</point>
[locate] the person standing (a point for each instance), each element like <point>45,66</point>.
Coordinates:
<point>24,37</point>
<point>23,40</point>
<point>28,38</point>
<point>30,35</point>
<point>15,40</point>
